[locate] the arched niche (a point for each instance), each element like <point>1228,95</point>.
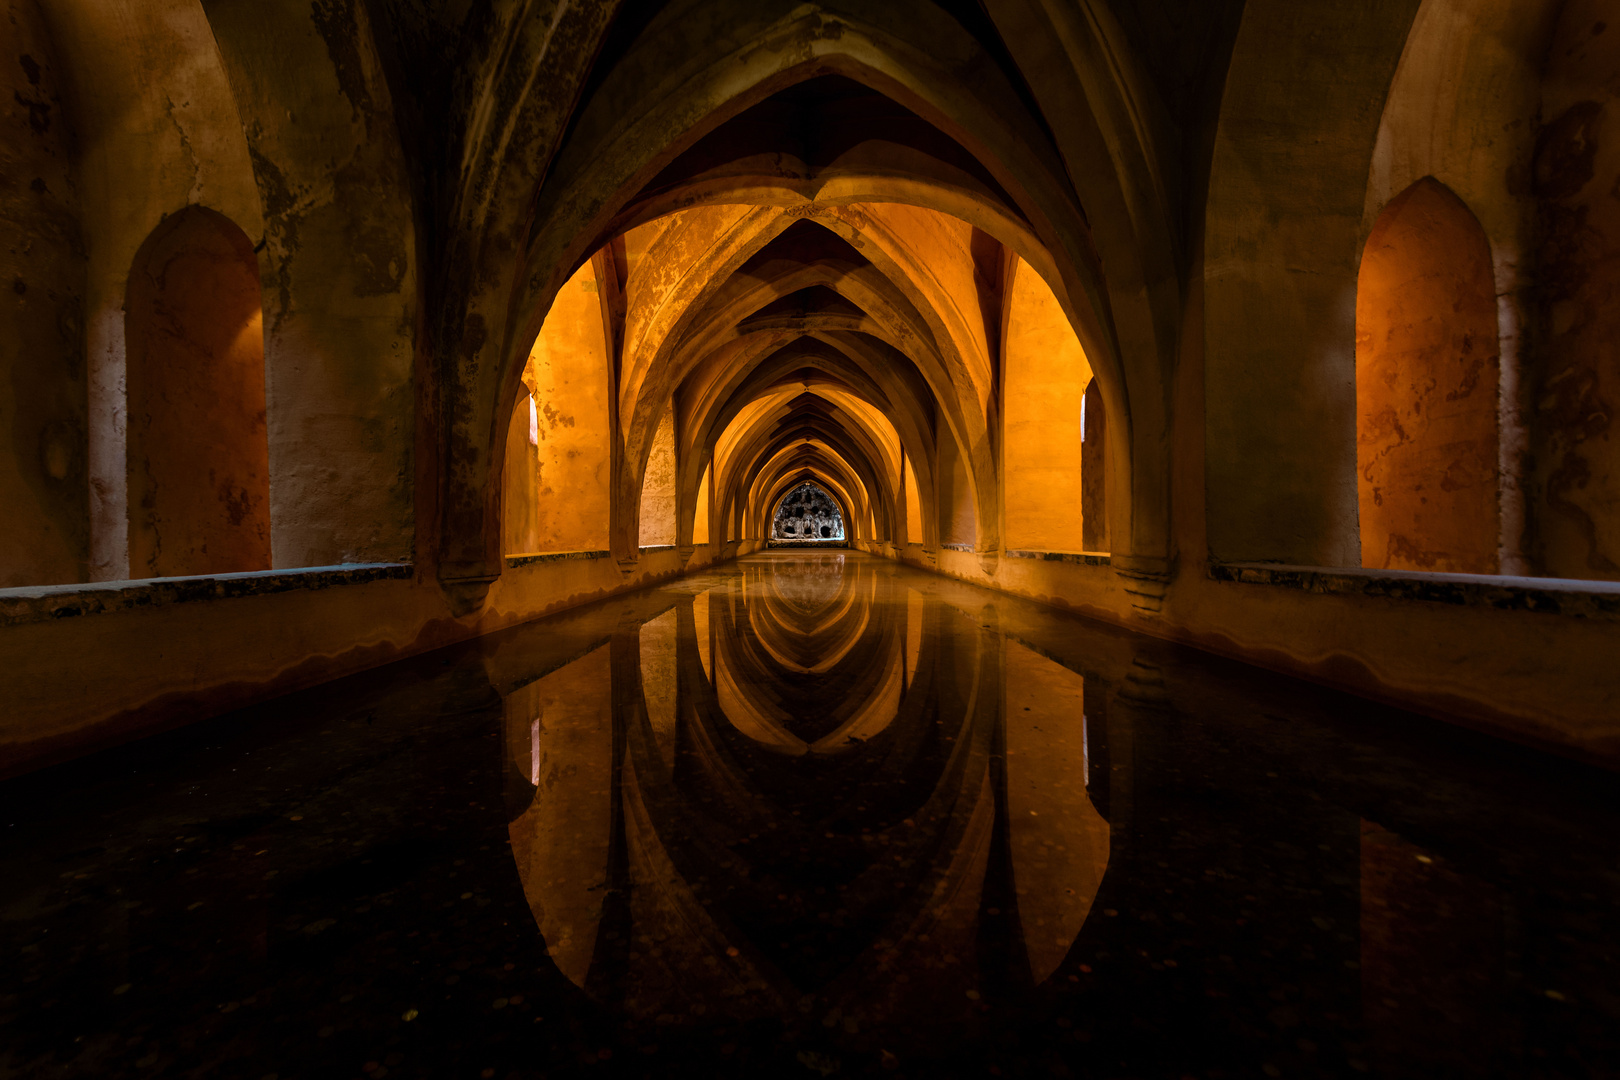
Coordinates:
<point>1426,388</point>
<point>1045,375</point>
<point>914,508</point>
<point>1283,231</point>
<point>700,521</point>
<point>658,485</point>
<point>197,452</point>
<point>559,436</point>
<point>520,482</point>
<point>1094,470</point>
<point>808,512</point>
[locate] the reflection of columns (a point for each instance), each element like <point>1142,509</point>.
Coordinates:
<point>999,930</point>
<point>611,959</point>
<point>562,840</point>
<point>1123,707</point>
<point>1099,755</point>
<point>1058,843</point>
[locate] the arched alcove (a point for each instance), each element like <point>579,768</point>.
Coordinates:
<point>1426,382</point>
<point>520,511</point>
<point>914,509</point>
<point>1094,469</point>
<point>559,437</point>
<point>196,451</point>
<point>958,517</point>
<point>658,486</point>
<point>1045,375</point>
<point>700,521</point>
<point>808,512</point>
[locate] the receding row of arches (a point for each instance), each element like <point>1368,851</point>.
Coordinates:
<point>840,270</point>
<point>789,354</point>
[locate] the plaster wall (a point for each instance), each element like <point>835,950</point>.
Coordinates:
<point>1282,242</point>
<point>339,271</point>
<point>914,508</point>
<point>1426,381</point>
<point>958,517</point>
<point>1575,175</point>
<point>1444,657</point>
<point>658,487</point>
<point>43,382</point>
<point>174,651</point>
<point>199,484</point>
<point>520,510</point>
<point>700,524</point>
<point>1045,375</point>
<point>157,131</point>
<point>569,373</point>
<point>1463,110</point>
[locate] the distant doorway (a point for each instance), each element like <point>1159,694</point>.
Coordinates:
<point>808,515</point>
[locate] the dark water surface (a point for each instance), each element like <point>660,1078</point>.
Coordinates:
<point>812,814</point>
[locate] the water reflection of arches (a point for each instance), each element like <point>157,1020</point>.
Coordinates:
<point>674,854</point>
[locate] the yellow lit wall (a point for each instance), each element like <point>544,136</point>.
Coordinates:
<point>1426,375</point>
<point>1045,373</point>
<point>958,518</point>
<point>914,518</point>
<point>198,459</point>
<point>520,524</point>
<point>569,373</point>
<point>658,486</point>
<point>700,525</point>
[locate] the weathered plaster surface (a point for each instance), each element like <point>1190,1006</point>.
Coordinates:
<point>1462,110</point>
<point>158,131</point>
<point>1282,243</point>
<point>176,651</point>
<point>571,379</point>
<point>1045,377</point>
<point>339,273</point>
<point>1575,175</point>
<point>199,470</point>
<point>1426,380</point>
<point>658,488</point>
<point>43,381</point>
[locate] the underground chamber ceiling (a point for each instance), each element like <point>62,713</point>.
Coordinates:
<point>823,290</point>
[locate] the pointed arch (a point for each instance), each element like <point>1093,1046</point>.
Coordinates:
<point>198,451</point>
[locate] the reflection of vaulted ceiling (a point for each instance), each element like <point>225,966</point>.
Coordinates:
<point>797,320</point>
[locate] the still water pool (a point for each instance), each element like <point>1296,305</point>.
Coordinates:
<point>812,814</point>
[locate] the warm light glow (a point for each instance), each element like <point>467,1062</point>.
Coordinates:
<point>1045,383</point>
<point>1426,379</point>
